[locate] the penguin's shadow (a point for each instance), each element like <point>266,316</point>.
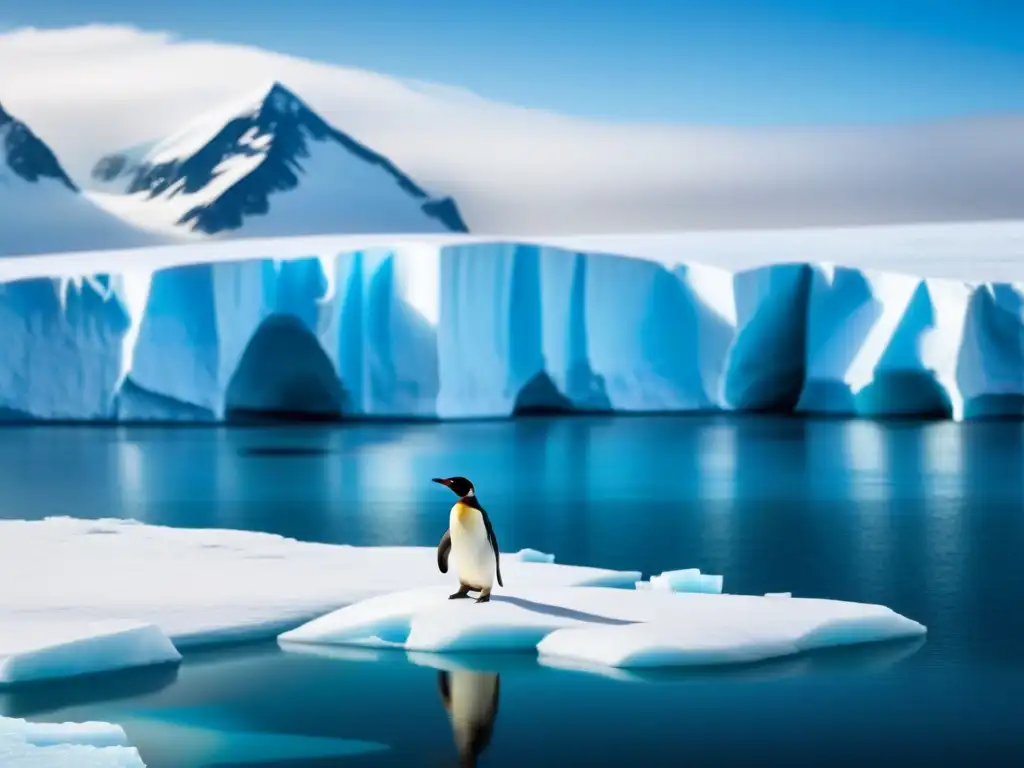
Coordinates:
<point>558,610</point>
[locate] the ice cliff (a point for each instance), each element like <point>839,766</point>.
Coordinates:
<point>465,328</point>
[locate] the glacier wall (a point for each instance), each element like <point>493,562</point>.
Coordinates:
<point>477,329</point>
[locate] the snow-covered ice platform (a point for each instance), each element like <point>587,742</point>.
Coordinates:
<point>89,596</point>
<point>611,627</point>
<point>65,745</point>
<point>127,594</point>
<point>881,321</point>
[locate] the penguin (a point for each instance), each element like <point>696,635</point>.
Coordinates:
<point>471,701</point>
<point>471,537</point>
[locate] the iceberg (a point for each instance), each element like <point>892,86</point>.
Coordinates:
<point>882,344</point>
<point>191,589</point>
<point>458,326</point>
<point>610,627</point>
<point>65,745</point>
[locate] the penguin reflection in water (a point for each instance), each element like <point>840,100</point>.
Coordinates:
<point>471,700</point>
<point>471,539</point>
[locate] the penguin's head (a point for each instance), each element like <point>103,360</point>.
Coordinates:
<point>460,486</point>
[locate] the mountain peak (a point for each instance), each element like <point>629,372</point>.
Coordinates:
<point>279,98</point>
<point>226,167</point>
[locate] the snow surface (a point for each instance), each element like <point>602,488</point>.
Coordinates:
<point>44,217</point>
<point>65,745</point>
<point>455,327</point>
<point>191,588</point>
<point>612,627</point>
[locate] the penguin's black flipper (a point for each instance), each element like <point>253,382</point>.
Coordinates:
<point>494,545</point>
<point>442,551</point>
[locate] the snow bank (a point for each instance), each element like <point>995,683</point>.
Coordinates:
<point>65,745</point>
<point>617,628</point>
<point>190,588</point>
<point>460,327</point>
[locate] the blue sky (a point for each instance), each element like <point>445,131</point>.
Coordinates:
<point>734,62</point>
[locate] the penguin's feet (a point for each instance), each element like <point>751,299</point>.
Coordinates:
<point>462,593</point>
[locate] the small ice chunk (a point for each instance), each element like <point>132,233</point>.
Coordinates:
<point>688,580</point>
<point>533,556</point>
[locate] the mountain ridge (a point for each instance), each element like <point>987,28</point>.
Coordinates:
<point>239,165</point>
<point>28,156</point>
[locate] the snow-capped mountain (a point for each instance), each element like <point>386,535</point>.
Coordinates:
<point>267,166</point>
<point>41,208</point>
<point>27,156</point>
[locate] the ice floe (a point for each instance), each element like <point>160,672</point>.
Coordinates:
<point>86,596</point>
<point>65,745</point>
<point>92,596</point>
<point>612,627</point>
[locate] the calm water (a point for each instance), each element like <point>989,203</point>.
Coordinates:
<point>925,518</point>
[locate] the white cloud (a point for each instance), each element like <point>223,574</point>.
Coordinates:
<point>91,90</point>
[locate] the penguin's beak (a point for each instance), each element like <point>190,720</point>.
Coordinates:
<point>439,480</point>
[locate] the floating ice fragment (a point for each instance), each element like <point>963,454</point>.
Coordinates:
<point>533,556</point>
<point>684,580</point>
<point>65,745</point>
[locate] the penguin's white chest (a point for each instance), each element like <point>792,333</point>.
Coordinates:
<point>471,550</point>
<point>472,699</point>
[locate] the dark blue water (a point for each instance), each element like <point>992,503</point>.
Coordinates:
<point>925,518</point>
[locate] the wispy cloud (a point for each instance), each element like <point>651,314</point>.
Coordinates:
<point>90,90</point>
